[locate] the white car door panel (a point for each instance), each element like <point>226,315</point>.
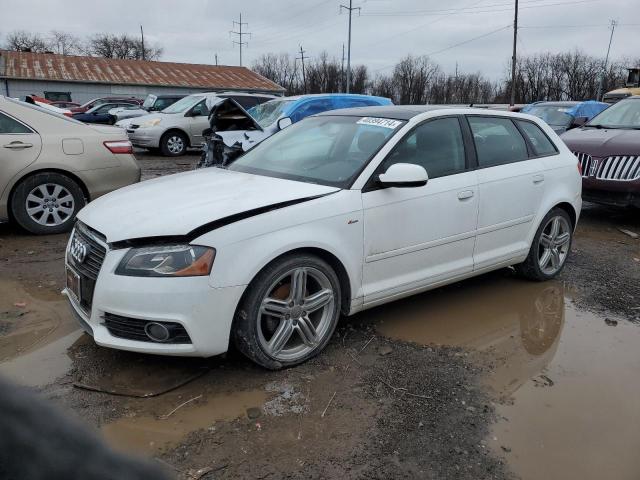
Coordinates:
<point>417,236</point>
<point>510,189</point>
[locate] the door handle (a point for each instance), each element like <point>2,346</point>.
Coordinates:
<point>465,194</point>
<point>538,178</point>
<point>18,145</point>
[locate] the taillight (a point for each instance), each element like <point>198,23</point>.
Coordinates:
<point>119,146</point>
<point>580,168</point>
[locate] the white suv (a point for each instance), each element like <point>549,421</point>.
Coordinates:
<point>335,214</point>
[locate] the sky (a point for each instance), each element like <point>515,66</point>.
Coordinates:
<point>475,35</point>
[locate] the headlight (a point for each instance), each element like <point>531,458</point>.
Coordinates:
<point>167,261</point>
<point>151,123</point>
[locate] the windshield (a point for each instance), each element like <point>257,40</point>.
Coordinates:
<point>267,113</point>
<point>149,101</point>
<point>183,104</point>
<point>624,114</point>
<point>552,114</point>
<point>327,150</point>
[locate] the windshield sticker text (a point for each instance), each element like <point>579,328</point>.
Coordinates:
<point>379,122</point>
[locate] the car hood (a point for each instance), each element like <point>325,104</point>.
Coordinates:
<point>603,142</point>
<point>178,205</point>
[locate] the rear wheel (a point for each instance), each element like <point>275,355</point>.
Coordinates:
<point>173,144</point>
<point>550,248</point>
<point>289,312</point>
<point>47,203</point>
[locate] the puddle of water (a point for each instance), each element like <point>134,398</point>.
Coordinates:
<point>34,339</point>
<point>149,434</point>
<point>568,382</point>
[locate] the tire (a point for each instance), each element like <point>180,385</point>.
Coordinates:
<point>288,334</point>
<point>173,144</point>
<point>47,203</point>
<point>541,265</point>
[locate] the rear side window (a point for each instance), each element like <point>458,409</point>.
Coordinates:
<point>497,141</point>
<point>539,141</point>
<point>9,126</point>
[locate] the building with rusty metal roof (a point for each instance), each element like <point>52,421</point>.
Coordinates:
<point>48,74</point>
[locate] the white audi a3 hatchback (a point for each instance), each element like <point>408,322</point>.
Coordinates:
<point>333,215</point>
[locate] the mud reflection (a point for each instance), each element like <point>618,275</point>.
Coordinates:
<point>518,322</point>
<point>35,332</point>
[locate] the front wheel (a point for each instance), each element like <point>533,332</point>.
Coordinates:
<point>550,248</point>
<point>173,144</point>
<point>289,312</point>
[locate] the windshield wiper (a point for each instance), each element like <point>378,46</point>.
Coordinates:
<point>593,126</point>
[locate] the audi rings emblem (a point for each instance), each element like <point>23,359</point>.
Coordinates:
<point>78,250</point>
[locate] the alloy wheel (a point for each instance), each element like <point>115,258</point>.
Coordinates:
<point>296,314</point>
<point>553,245</point>
<point>175,144</point>
<point>50,204</point>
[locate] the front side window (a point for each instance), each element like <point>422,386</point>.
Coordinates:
<point>539,141</point>
<point>318,150</point>
<point>436,145</point>
<point>497,141</point>
<point>10,126</point>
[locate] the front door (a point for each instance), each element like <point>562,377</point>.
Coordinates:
<point>420,236</point>
<point>198,121</point>
<point>19,147</point>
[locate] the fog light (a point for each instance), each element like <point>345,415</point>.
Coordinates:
<point>157,332</point>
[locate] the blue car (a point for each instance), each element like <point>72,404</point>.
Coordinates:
<point>100,113</point>
<point>563,116</point>
<point>235,130</point>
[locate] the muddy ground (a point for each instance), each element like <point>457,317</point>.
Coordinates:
<point>490,378</point>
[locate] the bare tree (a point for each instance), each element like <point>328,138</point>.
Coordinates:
<point>281,69</point>
<point>121,46</point>
<point>64,43</point>
<point>23,41</point>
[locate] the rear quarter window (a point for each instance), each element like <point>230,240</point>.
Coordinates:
<point>541,144</point>
<point>10,126</point>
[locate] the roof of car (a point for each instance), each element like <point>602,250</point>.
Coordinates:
<point>327,95</point>
<point>396,112</point>
<point>556,104</point>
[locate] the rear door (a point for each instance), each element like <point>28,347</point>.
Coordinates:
<point>511,187</point>
<point>20,146</point>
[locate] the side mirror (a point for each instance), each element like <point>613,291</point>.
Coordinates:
<point>578,122</point>
<point>284,122</point>
<point>404,175</point>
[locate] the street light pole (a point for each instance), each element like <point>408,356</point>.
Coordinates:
<point>606,60</point>
<point>513,57</point>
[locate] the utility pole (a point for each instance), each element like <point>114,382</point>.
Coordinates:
<point>240,42</point>
<point>304,78</point>
<point>342,68</point>
<point>216,55</point>
<point>350,8</point>
<point>606,60</point>
<point>513,57</point>
<point>142,35</point>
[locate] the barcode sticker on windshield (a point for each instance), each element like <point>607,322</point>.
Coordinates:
<point>379,122</point>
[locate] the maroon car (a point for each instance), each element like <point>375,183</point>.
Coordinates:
<point>608,149</point>
<point>99,101</point>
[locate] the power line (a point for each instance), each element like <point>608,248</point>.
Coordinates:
<point>436,52</point>
<point>350,8</point>
<point>240,42</point>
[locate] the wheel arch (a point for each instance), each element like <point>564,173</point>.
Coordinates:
<point>175,130</point>
<point>59,171</point>
<point>333,261</point>
<point>571,211</point>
